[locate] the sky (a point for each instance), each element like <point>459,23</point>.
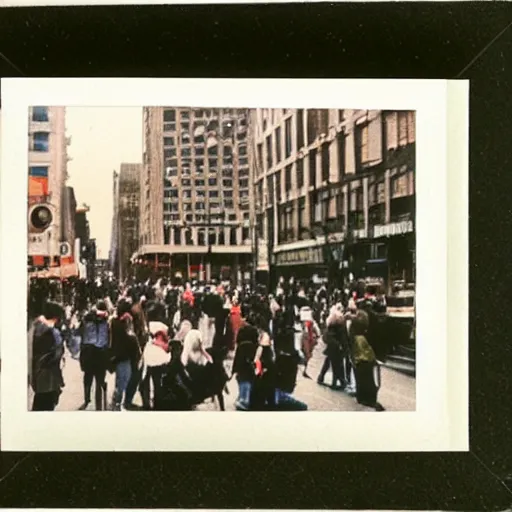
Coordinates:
<point>101,139</point>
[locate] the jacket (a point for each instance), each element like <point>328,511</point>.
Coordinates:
<point>47,352</point>
<point>95,331</point>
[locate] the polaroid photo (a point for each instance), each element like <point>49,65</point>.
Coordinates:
<point>260,259</point>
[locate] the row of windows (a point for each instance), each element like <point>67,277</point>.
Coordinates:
<point>399,130</point>
<point>203,237</point>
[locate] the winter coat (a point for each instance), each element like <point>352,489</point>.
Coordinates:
<point>47,352</point>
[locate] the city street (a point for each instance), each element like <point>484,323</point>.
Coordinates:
<point>397,392</point>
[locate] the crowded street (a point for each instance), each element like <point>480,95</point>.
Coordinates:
<point>397,394</point>
<point>396,390</point>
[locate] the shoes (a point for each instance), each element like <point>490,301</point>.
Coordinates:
<point>84,406</point>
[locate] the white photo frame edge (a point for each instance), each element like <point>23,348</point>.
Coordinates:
<point>440,421</point>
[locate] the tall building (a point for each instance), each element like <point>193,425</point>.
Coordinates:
<point>128,216</point>
<point>68,216</point>
<point>47,174</point>
<point>114,232</point>
<point>335,192</point>
<point>196,192</point>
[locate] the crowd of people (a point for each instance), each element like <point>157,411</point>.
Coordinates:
<point>170,342</point>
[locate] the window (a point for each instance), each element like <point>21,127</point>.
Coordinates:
<point>187,194</point>
<point>300,128</point>
<point>212,164</point>
<point>169,153</point>
<point>288,137</point>
<point>302,215</point>
<point>243,161</point>
<point>212,182</point>
<point>391,131</point>
<point>212,151</point>
<point>213,194</point>
<point>177,236</point>
<point>188,237</point>
<point>228,183</point>
<point>173,207</point>
<point>232,217</point>
<point>269,152</point>
<point>169,116</point>
<point>185,152</point>
<point>186,182</point>
<point>40,114</point>
<point>171,172</point>
<point>169,127</point>
<point>200,206</point>
<point>228,193</point>
<point>399,186</point>
<point>243,173</point>
<point>242,150</point>
<point>363,144</point>
<point>278,186</point>
<point>201,239</point>
<point>411,127</point>
<point>222,237</point>
<point>325,162</point>
<point>41,142</point>
<point>199,150</point>
<point>185,114</point>
<point>288,179</point>
<point>245,234</point>
<point>312,168</point>
<point>270,189</point>
<point>168,141</point>
<point>199,183</point>
<point>228,203</point>
<point>187,207</point>
<point>341,153</point>
<point>185,138</point>
<point>260,157</point>
<point>381,193</point>
<point>232,236</point>
<point>173,193</point>
<point>402,128</point>
<point>278,145</point>
<point>244,183</point>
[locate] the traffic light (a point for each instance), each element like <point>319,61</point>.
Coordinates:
<point>40,218</point>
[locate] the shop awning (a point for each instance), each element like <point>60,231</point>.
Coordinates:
<point>62,272</point>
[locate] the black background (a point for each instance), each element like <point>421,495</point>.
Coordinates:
<point>408,40</point>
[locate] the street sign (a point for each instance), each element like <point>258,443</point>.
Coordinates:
<point>65,249</point>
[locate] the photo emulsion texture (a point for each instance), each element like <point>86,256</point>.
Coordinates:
<point>215,259</point>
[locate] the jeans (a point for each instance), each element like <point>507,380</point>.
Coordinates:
<point>123,376</point>
<point>244,395</point>
<point>285,401</point>
<point>133,385</point>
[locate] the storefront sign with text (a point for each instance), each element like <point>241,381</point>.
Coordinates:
<point>395,228</point>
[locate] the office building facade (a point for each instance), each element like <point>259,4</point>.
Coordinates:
<point>128,216</point>
<point>334,192</point>
<point>196,193</point>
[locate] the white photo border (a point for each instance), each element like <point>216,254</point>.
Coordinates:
<point>440,422</point>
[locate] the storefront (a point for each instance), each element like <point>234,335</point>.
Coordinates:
<point>301,264</point>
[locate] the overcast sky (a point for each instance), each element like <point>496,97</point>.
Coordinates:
<point>102,139</point>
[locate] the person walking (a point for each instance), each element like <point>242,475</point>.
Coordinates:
<point>47,353</point>
<point>365,363</point>
<point>94,352</point>
<point>124,351</point>
<point>334,339</point>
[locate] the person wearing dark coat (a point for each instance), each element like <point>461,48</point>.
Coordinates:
<point>336,339</point>
<point>47,352</point>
